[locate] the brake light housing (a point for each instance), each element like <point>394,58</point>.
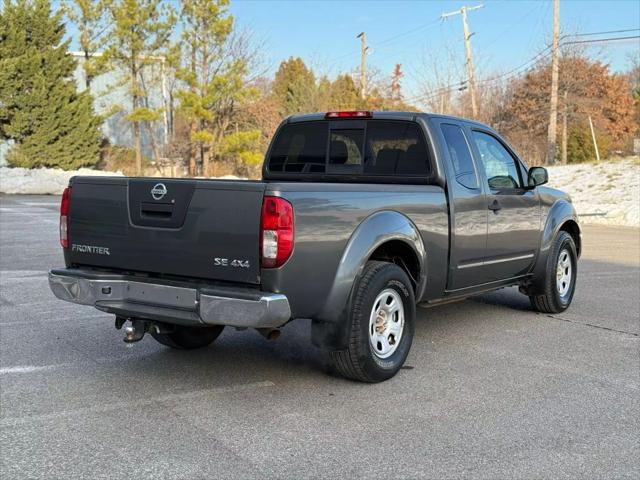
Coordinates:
<point>276,232</point>
<point>354,114</point>
<point>64,217</point>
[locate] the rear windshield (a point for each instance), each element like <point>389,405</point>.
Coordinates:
<point>366,148</point>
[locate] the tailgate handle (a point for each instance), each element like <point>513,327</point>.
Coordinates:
<point>156,210</point>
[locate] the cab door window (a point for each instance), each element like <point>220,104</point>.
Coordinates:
<point>499,165</point>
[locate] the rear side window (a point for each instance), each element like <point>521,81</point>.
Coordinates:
<point>395,148</point>
<point>300,148</point>
<point>460,155</point>
<point>369,148</point>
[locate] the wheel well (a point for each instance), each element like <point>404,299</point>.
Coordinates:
<point>573,229</point>
<point>400,253</point>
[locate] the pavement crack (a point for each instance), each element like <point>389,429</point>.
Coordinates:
<point>600,327</point>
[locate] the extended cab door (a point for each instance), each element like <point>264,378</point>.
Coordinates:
<point>467,207</point>
<point>513,222</point>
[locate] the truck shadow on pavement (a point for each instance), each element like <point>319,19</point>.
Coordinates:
<point>246,356</point>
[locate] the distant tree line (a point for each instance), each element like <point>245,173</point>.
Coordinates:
<point>219,109</point>
<point>586,89</point>
<point>518,105</point>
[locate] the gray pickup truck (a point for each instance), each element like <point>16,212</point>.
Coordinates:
<point>358,218</point>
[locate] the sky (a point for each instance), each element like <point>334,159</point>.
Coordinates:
<point>506,33</point>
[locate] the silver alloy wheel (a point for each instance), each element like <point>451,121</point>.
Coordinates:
<point>564,272</point>
<point>386,323</point>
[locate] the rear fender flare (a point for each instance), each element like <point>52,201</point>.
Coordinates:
<point>372,232</point>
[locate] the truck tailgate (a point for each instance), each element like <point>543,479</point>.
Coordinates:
<point>207,229</point>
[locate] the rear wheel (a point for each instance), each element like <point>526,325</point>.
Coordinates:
<point>188,338</point>
<point>560,277</point>
<point>382,325</point>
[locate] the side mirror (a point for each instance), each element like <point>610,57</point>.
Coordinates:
<point>537,176</point>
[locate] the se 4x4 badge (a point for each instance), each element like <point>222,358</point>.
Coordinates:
<point>225,262</point>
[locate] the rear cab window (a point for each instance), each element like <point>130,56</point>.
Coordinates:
<point>460,155</point>
<point>365,150</point>
<point>299,148</point>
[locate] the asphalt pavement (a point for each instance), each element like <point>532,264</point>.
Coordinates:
<point>490,390</point>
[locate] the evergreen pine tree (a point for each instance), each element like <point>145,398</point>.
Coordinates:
<point>294,86</point>
<point>41,110</point>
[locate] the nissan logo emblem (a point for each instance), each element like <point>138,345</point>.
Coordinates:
<point>159,191</point>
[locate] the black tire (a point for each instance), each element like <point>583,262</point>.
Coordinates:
<point>188,338</point>
<point>549,300</point>
<point>359,361</point>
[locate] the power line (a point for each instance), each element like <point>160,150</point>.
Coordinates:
<point>510,27</point>
<point>543,54</point>
<point>539,56</point>
<point>385,41</point>
<point>428,96</point>
<point>603,33</point>
<point>408,32</point>
<point>511,73</point>
<point>538,29</point>
<point>603,40</point>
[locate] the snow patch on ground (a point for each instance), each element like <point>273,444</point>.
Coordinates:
<point>51,181</point>
<point>604,193</point>
<point>41,181</point>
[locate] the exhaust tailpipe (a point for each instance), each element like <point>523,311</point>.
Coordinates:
<point>269,333</point>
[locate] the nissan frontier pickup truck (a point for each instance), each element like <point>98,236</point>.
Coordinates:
<point>358,218</point>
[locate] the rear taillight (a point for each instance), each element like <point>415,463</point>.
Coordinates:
<point>276,232</point>
<point>64,218</point>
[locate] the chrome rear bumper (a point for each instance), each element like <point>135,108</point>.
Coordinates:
<point>169,303</point>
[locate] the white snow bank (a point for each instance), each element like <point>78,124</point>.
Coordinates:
<point>41,180</point>
<point>605,193</point>
<point>50,181</point>
<point>608,192</point>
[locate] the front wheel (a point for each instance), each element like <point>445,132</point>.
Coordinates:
<point>382,325</point>
<point>188,338</point>
<point>560,277</point>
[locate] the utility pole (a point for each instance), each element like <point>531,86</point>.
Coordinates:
<point>565,112</point>
<point>165,106</point>
<point>467,45</point>
<point>553,113</point>
<point>593,137</point>
<point>363,67</point>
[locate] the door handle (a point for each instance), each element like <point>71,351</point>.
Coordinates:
<point>495,206</point>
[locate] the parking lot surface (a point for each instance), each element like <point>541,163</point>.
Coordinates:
<point>491,389</point>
